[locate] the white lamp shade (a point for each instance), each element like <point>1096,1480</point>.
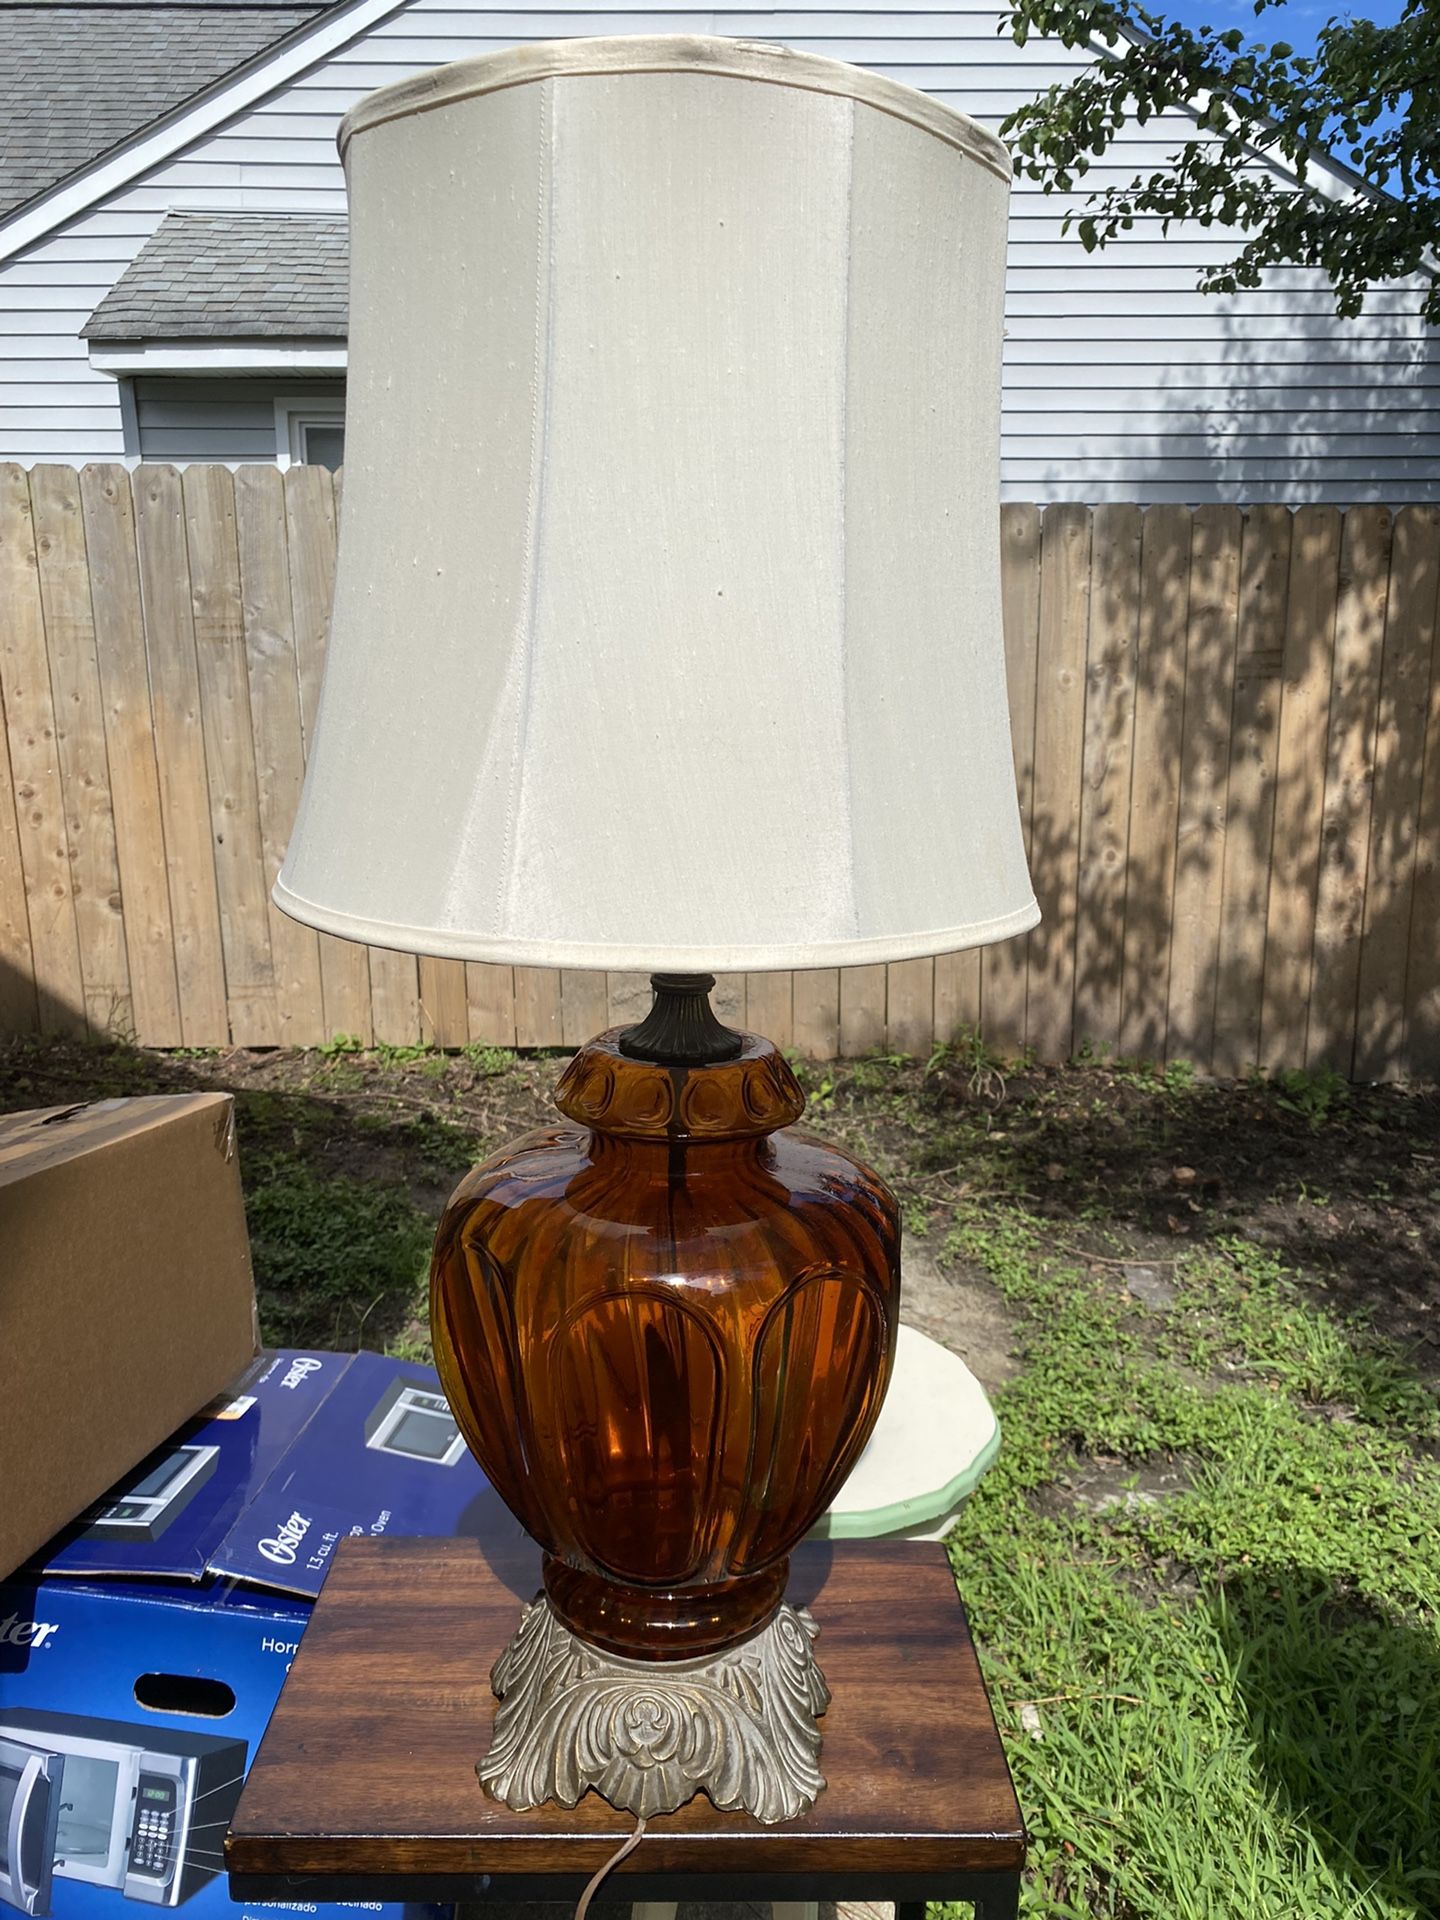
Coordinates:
<point>667,626</point>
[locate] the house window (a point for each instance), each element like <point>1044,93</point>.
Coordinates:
<point>310,429</point>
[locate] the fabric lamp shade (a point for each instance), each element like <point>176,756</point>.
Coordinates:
<point>667,627</point>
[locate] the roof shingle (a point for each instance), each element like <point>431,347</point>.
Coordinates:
<point>227,276</point>
<point>81,80</point>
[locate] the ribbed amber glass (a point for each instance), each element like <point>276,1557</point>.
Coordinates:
<point>666,1329</point>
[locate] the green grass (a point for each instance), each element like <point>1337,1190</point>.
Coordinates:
<point>1205,1568</point>
<point>493,1062</point>
<point>328,1250</point>
<point>1316,1096</point>
<point>1232,1691</point>
<point>342,1191</point>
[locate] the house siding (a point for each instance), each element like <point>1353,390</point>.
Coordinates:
<point>230,420</point>
<point>1121,381</point>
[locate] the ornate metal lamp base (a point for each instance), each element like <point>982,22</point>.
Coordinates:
<point>648,1734</point>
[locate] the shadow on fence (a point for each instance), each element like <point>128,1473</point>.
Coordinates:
<point>1227,737</point>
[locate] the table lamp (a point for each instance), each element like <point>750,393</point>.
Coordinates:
<point>667,636</point>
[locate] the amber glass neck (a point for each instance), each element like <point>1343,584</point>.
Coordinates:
<point>740,1098</point>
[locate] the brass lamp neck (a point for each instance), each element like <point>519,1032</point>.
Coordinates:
<point>681,1028</point>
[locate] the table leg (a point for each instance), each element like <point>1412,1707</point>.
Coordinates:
<point>999,1901</point>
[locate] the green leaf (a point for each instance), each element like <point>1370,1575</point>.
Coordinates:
<point>1248,98</point>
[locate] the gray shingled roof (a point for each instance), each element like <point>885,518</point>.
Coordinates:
<point>78,80</point>
<point>227,276</point>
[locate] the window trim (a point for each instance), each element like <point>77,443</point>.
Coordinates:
<point>294,412</point>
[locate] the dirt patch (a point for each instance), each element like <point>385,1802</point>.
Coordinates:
<point>962,1310</point>
<point>1133,1167</point>
<point>1149,1286</point>
<point>1110,1486</point>
<point>1105,1484</point>
<point>1341,1181</point>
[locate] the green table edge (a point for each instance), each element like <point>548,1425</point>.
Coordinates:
<point>876,1522</point>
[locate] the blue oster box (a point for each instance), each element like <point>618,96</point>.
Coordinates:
<point>141,1657</point>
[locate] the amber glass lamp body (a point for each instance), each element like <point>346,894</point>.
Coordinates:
<point>666,1327</point>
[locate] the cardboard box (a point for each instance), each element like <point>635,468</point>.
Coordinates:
<point>126,1296</point>
<point>89,1756</point>
<point>129,1715</point>
<point>140,1663</point>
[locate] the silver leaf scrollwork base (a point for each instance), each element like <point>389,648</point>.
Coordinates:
<point>650,1734</point>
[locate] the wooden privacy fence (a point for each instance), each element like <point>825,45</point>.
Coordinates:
<point>1227,740</point>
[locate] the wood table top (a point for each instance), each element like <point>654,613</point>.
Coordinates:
<point>365,1786</point>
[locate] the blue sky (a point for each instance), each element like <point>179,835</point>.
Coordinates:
<point>1298,21</point>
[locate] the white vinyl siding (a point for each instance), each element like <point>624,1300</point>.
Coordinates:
<point>1121,381</point>
<point>53,404</point>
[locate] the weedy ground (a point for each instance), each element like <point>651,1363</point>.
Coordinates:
<point>1205,1572</point>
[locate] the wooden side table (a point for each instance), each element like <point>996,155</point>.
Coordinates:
<point>364,1787</point>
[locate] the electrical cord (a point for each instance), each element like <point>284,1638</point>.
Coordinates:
<point>627,1847</point>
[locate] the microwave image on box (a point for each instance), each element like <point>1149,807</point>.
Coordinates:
<point>412,1420</point>
<point>170,1481</point>
<point>142,1810</point>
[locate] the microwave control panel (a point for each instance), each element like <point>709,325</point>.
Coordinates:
<point>152,1841</point>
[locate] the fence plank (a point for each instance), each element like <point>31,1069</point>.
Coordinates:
<point>728,999</point>
<point>19,1012</point>
<point>490,998</point>
<point>1410,618</point>
<point>80,742</point>
<point>862,1010</point>
<point>816,1004</point>
<point>130,745</point>
<point>627,998</point>
<point>584,1005</point>
<point>221,635</point>
<point>1300,792</point>
<point>180,754</point>
<point>1059,752</point>
<point>310,516</point>
<point>1349,775</point>
<point>444,1003</point>
<point>274,701</point>
<point>1208,852</point>
<point>1003,966</point>
<point>910,1007</point>
<point>957,994</point>
<point>539,1019</point>
<point>395,998</point>
<point>41,821</point>
<point>1105,776</point>
<point>769,1007</point>
<point>1250,788</point>
<point>1155,788</point>
<point>1421,1056</point>
<point>1204,772</point>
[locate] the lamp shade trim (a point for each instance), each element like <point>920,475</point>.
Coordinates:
<point>436,943</point>
<point>672,53</point>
